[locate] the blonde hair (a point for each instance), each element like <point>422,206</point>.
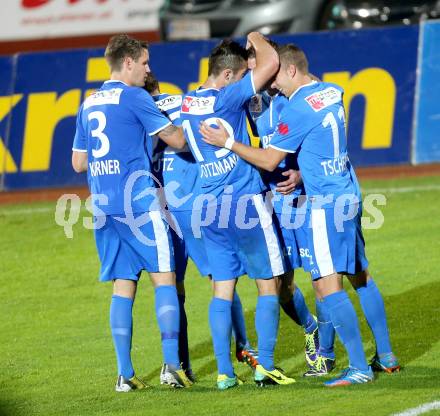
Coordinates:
<point>291,54</point>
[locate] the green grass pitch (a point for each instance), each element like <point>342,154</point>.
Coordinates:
<point>56,355</point>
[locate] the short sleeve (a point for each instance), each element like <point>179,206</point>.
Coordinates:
<point>80,139</point>
<point>289,133</point>
<point>235,96</point>
<point>147,112</point>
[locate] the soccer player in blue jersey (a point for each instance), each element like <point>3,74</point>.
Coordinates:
<point>178,172</point>
<point>313,125</point>
<point>232,200</point>
<point>265,109</point>
<point>130,233</point>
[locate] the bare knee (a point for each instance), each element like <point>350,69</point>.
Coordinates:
<point>267,287</point>
<point>224,289</point>
<point>327,285</point>
<point>163,279</point>
<point>124,288</point>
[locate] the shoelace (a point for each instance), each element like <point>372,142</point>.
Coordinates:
<point>319,363</point>
<point>310,343</point>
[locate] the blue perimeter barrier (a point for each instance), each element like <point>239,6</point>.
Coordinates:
<point>426,140</point>
<point>40,94</point>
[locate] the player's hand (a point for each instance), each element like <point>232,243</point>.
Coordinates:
<point>252,37</point>
<point>289,185</point>
<point>212,135</point>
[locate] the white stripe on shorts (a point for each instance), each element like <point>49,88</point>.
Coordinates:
<point>162,242</point>
<point>320,243</point>
<point>273,247</point>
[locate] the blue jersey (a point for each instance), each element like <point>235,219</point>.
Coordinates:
<point>112,125</point>
<point>266,111</point>
<point>312,124</point>
<point>176,169</point>
<point>219,167</point>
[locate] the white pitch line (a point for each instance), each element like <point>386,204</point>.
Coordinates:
<point>25,211</point>
<point>424,408</point>
<point>403,189</point>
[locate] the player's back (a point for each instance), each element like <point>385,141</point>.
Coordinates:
<point>220,168</point>
<point>111,127</point>
<point>314,119</point>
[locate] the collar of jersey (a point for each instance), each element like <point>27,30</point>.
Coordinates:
<point>206,89</point>
<point>115,80</point>
<point>301,87</point>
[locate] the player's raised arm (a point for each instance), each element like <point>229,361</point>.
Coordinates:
<point>267,60</point>
<point>173,136</point>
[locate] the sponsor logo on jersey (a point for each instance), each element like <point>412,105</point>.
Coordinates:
<point>198,105</point>
<point>322,99</point>
<point>103,97</point>
<point>169,103</point>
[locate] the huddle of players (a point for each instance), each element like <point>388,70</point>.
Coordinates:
<point>289,126</point>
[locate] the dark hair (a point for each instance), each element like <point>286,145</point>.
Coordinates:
<point>122,46</point>
<point>227,55</point>
<point>151,83</point>
<point>292,54</point>
<point>251,50</point>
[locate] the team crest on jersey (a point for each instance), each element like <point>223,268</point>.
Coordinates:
<point>283,128</point>
<point>198,105</point>
<point>103,97</point>
<point>169,103</point>
<point>325,98</point>
<point>256,104</point>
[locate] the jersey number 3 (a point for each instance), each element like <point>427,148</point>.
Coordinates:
<point>104,147</point>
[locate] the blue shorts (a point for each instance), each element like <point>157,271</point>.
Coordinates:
<point>124,252</point>
<point>303,246</point>
<point>293,228</point>
<point>245,242</point>
<point>294,242</point>
<point>189,246</point>
<point>336,244</point>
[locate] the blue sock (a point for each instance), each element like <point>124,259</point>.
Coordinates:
<point>238,323</point>
<point>325,330</point>
<point>267,318</point>
<point>374,311</point>
<point>346,324</point>
<point>220,322</point>
<point>183,334</point>
<point>121,324</point>
<point>167,314</point>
